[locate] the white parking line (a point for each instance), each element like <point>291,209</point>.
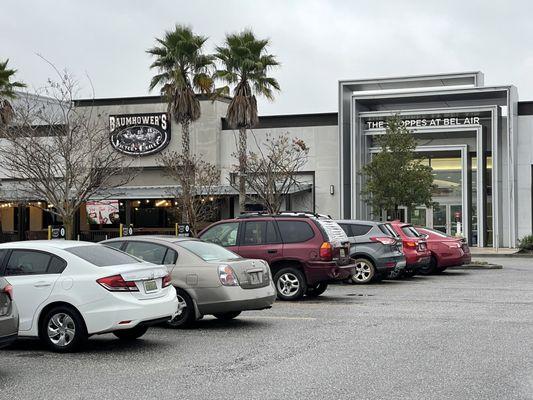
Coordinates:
<point>273,317</point>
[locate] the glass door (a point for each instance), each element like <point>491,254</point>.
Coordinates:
<point>447,218</point>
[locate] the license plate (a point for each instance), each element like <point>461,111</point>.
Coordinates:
<point>150,286</point>
<point>256,278</point>
<point>343,253</point>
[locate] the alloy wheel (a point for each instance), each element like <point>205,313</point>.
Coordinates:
<point>61,329</point>
<point>288,284</point>
<point>363,272</point>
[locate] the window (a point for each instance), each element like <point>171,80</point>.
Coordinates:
<point>116,245</point>
<point>222,234</point>
<point>254,233</point>
<point>102,256</point>
<point>360,230</point>
<point>27,262</point>
<point>170,257</point>
<point>57,265</point>
<point>346,228</point>
<point>295,231</point>
<point>272,235</point>
<point>388,230</point>
<point>410,231</point>
<point>208,251</point>
<point>147,251</point>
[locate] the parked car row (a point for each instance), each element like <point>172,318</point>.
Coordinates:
<point>394,249</point>
<point>64,291</point>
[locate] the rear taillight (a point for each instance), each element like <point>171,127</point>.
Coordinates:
<point>227,276</point>
<point>8,289</point>
<point>384,240</point>
<point>326,251</point>
<point>167,280</point>
<point>116,283</point>
<point>409,243</point>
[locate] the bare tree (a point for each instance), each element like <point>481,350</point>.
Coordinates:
<point>202,179</point>
<point>58,152</point>
<point>272,170</point>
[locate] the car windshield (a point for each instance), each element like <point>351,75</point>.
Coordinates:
<point>410,231</point>
<point>102,256</point>
<point>208,251</point>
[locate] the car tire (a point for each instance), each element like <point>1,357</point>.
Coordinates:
<point>440,270</point>
<point>131,334</point>
<point>409,273</point>
<point>290,284</point>
<point>63,330</point>
<point>316,289</point>
<point>364,271</point>
<point>185,317</point>
<point>227,316</point>
<point>430,268</point>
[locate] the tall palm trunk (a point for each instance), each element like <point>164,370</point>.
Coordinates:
<point>187,167</point>
<point>242,168</point>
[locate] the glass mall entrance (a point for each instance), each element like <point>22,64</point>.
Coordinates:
<point>447,215</point>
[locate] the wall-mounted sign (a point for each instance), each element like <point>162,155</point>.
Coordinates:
<point>422,122</point>
<point>139,134</point>
<point>103,212</point>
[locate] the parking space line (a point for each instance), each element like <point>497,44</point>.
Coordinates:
<point>281,317</point>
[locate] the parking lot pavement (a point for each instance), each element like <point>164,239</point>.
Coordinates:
<point>460,335</point>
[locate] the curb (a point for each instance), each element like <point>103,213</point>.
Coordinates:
<point>496,255</point>
<point>478,266</point>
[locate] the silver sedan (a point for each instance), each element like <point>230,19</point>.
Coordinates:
<point>209,279</point>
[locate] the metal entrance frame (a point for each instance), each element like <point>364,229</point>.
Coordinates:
<point>419,90</point>
<point>359,158</point>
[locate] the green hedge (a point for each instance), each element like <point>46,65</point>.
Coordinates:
<point>526,243</point>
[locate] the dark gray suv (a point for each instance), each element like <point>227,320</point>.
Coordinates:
<point>375,248</point>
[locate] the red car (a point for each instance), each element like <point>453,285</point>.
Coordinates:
<point>417,254</point>
<point>446,251</point>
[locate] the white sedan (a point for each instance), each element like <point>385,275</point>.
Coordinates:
<point>67,291</point>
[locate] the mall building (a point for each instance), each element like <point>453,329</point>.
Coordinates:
<point>476,138</point>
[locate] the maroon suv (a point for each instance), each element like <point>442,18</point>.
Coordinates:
<point>304,251</point>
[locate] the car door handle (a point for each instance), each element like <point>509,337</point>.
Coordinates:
<point>42,284</point>
<point>272,251</point>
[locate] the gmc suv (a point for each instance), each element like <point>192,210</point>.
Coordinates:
<point>305,251</point>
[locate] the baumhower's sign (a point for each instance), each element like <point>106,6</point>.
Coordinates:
<point>139,134</point>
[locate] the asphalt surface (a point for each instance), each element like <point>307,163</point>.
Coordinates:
<point>459,335</point>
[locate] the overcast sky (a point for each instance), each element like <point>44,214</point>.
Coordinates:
<point>317,42</point>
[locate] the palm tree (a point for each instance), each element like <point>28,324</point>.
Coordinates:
<point>183,68</point>
<point>7,91</point>
<point>245,65</point>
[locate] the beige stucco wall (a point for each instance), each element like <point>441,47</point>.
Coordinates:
<point>323,159</point>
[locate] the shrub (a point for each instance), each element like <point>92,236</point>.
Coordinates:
<point>526,243</point>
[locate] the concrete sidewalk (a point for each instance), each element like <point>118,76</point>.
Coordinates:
<point>492,252</point>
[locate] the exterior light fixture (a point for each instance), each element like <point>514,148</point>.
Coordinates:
<point>332,189</point>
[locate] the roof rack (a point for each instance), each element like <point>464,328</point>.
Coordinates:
<point>283,214</point>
